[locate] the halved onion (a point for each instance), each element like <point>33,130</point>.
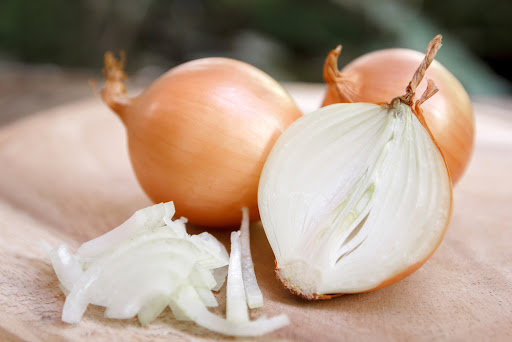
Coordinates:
<point>353,197</point>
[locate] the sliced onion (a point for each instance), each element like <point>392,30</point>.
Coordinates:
<point>252,290</point>
<point>152,309</point>
<point>144,219</point>
<point>220,275</point>
<point>150,262</point>
<point>236,304</point>
<point>192,306</point>
<point>66,266</point>
<point>149,257</point>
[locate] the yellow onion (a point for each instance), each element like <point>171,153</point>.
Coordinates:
<point>378,76</point>
<point>356,196</point>
<point>200,134</point>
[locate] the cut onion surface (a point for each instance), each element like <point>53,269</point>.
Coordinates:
<point>353,197</point>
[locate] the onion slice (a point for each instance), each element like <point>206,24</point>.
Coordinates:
<point>252,290</point>
<point>192,306</point>
<point>143,219</point>
<point>236,304</point>
<point>150,262</point>
<point>139,267</point>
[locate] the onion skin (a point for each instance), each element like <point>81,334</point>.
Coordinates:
<point>200,134</point>
<point>378,76</point>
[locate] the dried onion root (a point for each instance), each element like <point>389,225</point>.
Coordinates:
<point>150,262</point>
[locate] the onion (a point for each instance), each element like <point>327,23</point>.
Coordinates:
<point>200,134</point>
<point>139,267</point>
<point>356,196</point>
<point>236,302</point>
<point>252,290</point>
<point>150,262</point>
<point>378,76</point>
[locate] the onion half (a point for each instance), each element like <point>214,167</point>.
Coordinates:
<point>368,203</point>
<point>356,196</point>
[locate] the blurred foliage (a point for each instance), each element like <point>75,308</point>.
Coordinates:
<point>288,39</point>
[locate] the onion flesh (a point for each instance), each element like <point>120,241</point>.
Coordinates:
<point>148,257</point>
<point>150,262</point>
<point>252,290</point>
<point>236,305</point>
<point>195,309</point>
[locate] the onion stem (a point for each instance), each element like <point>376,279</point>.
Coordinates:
<point>114,92</point>
<point>432,48</point>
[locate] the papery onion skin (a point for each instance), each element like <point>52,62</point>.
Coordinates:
<point>200,134</point>
<point>378,76</point>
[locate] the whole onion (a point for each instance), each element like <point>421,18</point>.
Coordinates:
<point>199,135</point>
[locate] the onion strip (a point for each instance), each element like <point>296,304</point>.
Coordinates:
<point>150,262</point>
<point>252,290</point>
<point>236,305</point>
<point>192,306</point>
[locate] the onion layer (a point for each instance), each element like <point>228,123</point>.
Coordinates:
<point>379,76</point>
<point>199,135</point>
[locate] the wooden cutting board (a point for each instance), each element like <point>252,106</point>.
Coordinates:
<point>65,177</point>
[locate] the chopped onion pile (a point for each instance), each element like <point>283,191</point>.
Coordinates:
<point>150,262</point>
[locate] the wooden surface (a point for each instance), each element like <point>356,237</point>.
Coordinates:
<point>65,177</point>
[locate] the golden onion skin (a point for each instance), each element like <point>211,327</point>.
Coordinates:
<point>200,134</point>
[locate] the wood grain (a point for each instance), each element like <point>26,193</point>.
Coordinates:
<point>65,177</point>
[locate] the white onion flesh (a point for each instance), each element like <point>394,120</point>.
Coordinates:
<point>150,262</point>
<point>137,268</point>
<point>352,195</point>
<point>252,290</point>
<point>236,303</point>
<point>193,307</point>
<point>143,219</point>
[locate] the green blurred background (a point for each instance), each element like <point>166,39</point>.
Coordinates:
<point>288,39</point>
